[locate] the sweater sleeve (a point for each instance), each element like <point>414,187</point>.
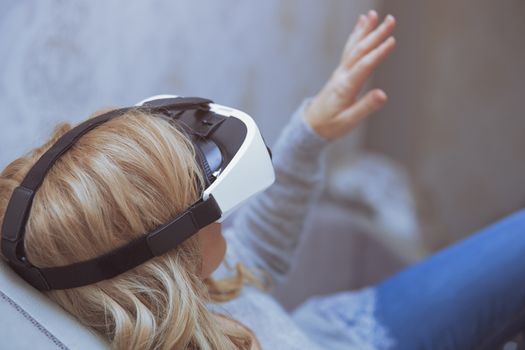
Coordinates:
<point>267,229</point>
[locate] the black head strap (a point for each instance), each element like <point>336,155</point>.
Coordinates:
<point>117,261</point>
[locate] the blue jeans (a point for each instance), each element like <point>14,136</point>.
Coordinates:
<point>470,295</point>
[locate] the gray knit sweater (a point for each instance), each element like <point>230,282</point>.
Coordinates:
<point>265,234</point>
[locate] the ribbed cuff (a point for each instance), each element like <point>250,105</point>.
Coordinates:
<point>300,135</point>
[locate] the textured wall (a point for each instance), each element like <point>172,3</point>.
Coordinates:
<point>455,116</point>
<point>62,60</point>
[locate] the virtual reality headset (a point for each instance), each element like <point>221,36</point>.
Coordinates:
<point>235,163</point>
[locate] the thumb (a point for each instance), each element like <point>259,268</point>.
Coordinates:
<point>365,106</point>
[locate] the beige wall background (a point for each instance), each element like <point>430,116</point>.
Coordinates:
<point>455,116</point>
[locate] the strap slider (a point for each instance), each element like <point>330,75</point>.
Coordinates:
<point>169,236</point>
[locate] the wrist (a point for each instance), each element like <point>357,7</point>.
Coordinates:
<point>311,116</point>
<point>315,117</point>
<point>301,131</point>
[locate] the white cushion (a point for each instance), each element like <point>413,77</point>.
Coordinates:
<point>29,320</point>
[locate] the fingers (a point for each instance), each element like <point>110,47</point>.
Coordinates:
<point>334,111</point>
<point>368,104</point>
<point>357,33</point>
<point>367,43</point>
<point>363,26</point>
<point>362,70</point>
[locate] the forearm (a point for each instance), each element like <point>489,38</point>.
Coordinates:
<point>268,228</point>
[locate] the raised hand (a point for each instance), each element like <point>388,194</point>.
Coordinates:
<point>334,111</point>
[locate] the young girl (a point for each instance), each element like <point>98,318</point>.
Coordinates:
<point>132,174</point>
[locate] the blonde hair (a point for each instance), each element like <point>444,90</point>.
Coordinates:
<point>119,181</point>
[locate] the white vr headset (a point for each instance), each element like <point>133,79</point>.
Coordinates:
<point>250,169</point>
<point>233,157</point>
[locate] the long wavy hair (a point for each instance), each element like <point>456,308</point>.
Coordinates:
<point>119,181</point>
